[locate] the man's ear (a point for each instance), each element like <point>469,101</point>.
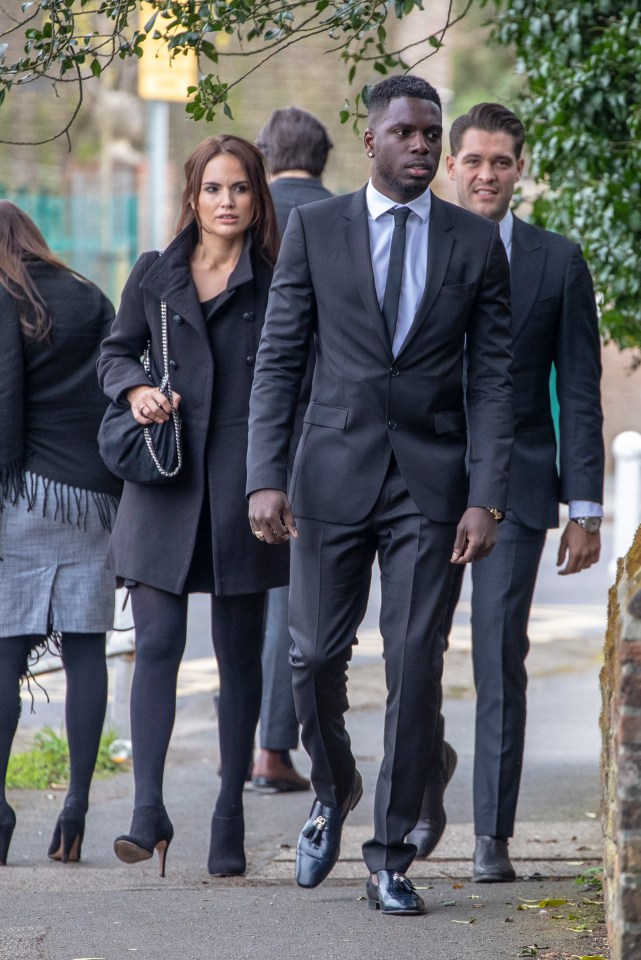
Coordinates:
<point>520,163</point>
<point>369,141</point>
<point>450,166</point>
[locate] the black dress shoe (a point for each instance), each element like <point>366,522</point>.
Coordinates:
<point>319,843</point>
<point>393,894</point>
<point>431,825</point>
<point>491,861</point>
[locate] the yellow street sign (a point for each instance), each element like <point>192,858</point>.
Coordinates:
<point>159,76</point>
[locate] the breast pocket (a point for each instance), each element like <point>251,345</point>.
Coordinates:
<point>458,289</point>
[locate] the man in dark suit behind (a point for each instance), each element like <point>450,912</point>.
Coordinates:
<point>390,282</point>
<point>554,321</point>
<point>295,145</point>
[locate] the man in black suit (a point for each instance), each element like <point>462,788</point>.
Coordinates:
<point>390,283</point>
<point>296,146</point>
<point>554,321</point>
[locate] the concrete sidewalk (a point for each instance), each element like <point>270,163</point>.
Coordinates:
<point>101,908</point>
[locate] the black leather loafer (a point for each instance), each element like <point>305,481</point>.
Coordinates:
<point>431,825</point>
<point>393,894</point>
<point>491,862</point>
<point>319,843</point>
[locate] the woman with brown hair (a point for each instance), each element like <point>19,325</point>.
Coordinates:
<point>190,535</point>
<point>57,501</point>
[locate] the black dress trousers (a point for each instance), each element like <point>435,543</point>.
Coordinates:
<point>330,578</point>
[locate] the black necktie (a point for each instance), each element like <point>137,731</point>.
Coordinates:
<point>395,270</point>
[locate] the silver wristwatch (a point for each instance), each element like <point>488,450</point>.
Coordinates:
<point>589,524</point>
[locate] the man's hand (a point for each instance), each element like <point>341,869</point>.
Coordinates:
<point>475,536</point>
<point>581,548</point>
<point>270,516</point>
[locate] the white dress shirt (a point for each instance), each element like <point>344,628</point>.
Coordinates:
<point>576,508</point>
<point>381,228</point>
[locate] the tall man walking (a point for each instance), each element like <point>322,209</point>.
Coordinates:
<point>296,146</point>
<point>554,321</point>
<point>389,282</point>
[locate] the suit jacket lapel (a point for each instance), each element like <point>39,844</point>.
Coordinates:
<point>357,241</point>
<point>527,263</point>
<point>439,249</point>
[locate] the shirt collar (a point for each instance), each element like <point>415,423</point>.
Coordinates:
<point>506,225</point>
<point>378,204</point>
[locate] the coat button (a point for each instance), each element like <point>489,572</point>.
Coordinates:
<point>392,424</point>
<point>173,364</point>
<point>177,319</point>
<point>250,361</point>
<point>394,371</point>
<point>248,315</point>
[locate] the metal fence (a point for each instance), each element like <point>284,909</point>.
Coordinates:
<point>93,230</point>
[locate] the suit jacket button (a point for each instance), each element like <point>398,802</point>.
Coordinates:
<point>392,424</point>
<point>394,371</point>
<point>250,361</point>
<point>173,364</point>
<point>248,316</point>
<point>177,319</point>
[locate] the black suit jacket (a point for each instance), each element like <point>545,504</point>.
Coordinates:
<point>554,320</point>
<point>365,403</point>
<point>290,192</point>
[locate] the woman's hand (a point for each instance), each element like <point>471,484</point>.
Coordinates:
<point>149,405</point>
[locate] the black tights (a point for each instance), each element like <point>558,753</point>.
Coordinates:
<point>161,628</point>
<point>83,658</point>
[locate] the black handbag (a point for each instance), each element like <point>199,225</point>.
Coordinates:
<point>139,454</point>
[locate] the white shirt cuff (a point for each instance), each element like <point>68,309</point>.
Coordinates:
<point>584,508</point>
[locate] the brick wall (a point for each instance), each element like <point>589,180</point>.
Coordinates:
<point>621,759</point>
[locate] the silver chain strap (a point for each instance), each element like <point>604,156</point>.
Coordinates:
<point>165,387</point>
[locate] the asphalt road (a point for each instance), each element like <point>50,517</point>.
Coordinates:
<point>104,909</point>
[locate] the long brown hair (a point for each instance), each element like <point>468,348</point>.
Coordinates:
<point>20,242</point>
<point>263,226</point>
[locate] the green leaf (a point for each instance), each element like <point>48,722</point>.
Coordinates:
<point>227,110</point>
<point>95,68</point>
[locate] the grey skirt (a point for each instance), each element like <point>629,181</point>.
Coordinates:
<point>52,572</point>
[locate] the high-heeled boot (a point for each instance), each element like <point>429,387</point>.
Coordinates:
<point>151,829</point>
<point>7,826</point>
<point>66,843</point>
<point>226,851</point>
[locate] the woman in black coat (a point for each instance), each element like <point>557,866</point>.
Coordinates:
<point>191,535</point>
<point>57,502</point>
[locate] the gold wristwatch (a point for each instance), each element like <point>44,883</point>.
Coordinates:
<point>496,513</point>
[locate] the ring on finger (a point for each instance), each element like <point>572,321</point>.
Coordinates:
<point>259,534</point>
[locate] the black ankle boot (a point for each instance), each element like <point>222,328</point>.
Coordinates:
<point>7,826</point>
<point>66,843</point>
<point>226,852</point>
<point>151,829</point>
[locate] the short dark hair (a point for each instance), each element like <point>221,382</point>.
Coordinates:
<point>380,96</point>
<point>293,139</point>
<point>492,118</point>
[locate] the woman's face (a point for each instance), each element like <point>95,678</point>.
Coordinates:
<point>225,202</point>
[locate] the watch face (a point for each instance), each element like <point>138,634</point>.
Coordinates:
<point>590,524</point>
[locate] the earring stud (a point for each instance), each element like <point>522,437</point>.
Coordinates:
<point>369,153</point>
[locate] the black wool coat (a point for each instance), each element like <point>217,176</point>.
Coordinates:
<point>155,530</point>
